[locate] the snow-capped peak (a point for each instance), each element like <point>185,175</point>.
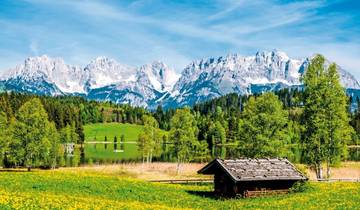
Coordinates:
<point>271,56</point>
<point>105,71</point>
<point>52,70</point>
<point>160,76</point>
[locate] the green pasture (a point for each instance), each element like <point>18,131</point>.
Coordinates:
<point>97,132</point>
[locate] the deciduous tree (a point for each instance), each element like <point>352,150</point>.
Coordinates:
<point>35,134</point>
<point>183,134</point>
<point>149,140</point>
<point>325,116</point>
<point>263,127</point>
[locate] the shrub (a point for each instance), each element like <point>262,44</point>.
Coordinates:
<point>300,186</point>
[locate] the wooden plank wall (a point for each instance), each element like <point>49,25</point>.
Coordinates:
<point>252,194</point>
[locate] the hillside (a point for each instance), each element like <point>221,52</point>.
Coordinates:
<point>79,189</point>
<point>99,152</point>
<point>98,131</point>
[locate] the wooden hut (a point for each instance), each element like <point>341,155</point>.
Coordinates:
<point>252,177</point>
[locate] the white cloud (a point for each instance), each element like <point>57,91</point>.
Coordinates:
<point>231,6</point>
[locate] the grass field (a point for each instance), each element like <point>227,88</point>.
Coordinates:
<point>97,132</point>
<point>81,189</point>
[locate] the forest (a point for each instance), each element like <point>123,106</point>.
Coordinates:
<point>312,126</point>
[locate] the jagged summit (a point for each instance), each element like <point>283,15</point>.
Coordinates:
<point>104,71</point>
<point>159,75</point>
<point>54,71</point>
<point>155,83</point>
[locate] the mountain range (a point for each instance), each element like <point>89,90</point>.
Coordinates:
<point>154,84</point>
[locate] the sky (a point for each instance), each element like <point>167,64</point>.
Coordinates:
<point>177,32</point>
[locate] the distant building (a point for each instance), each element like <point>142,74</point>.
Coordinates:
<point>252,177</point>
<point>69,149</point>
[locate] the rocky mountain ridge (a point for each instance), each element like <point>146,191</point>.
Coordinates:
<point>156,84</point>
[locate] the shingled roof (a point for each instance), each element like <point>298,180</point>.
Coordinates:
<point>255,169</point>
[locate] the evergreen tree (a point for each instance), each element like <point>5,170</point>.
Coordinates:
<point>65,134</point>
<point>105,145</point>
<point>202,152</point>
<point>115,143</point>
<point>218,137</point>
<point>4,135</point>
<point>122,140</point>
<point>80,129</point>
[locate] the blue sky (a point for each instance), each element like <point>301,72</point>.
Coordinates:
<point>176,32</point>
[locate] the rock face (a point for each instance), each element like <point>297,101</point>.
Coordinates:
<point>153,84</point>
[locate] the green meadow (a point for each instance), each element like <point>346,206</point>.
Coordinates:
<point>100,152</point>
<point>79,189</point>
<point>98,131</point>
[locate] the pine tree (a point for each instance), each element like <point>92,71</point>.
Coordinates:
<point>218,136</point>
<point>4,135</point>
<point>105,145</point>
<point>115,143</point>
<point>202,151</point>
<point>80,129</point>
<point>122,140</point>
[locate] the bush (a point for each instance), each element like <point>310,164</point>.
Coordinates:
<point>300,186</point>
